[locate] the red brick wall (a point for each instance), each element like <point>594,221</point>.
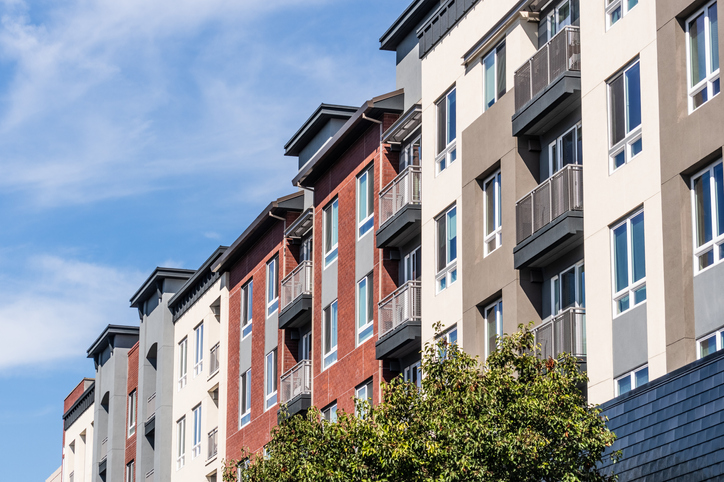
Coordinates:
<point>75,394</point>
<point>132,384</point>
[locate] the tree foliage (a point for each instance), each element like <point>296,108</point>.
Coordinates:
<point>517,418</point>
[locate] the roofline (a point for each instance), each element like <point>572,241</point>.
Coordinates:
<point>110,330</point>
<point>142,293</point>
<point>198,274</point>
<point>90,388</point>
<point>330,111</point>
<point>407,22</point>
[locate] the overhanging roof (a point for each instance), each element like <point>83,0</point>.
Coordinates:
<point>406,23</point>
<point>200,273</point>
<point>149,286</point>
<point>106,338</point>
<point>314,124</point>
<point>404,126</point>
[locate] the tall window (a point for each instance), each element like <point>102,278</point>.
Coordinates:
<point>272,286</point>
<point>132,412</point>
<point>363,393</point>
<point>365,202</point>
<point>568,289</point>
<point>180,443</point>
<point>247,308</point>
<point>494,76</point>
<point>130,472</point>
<point>196,450</point>
<point>330,413</point>
<point>365,309</point>
<point>447,249</point>
<point>624,107</point>
<point>446,130</point>
<point>199,349</point>
<point>271,378</point>
<point>451,338</point>
<point>710,343</point>
<point>411,154</point>
<point>702,41</point>
<point>629,263</point>
<point>707,192</point>
<point>616,9</point>
<point>329,332</point>
<point>245,398</point>
<point>306,346</point>
<point>493,213</point>
<point>412,266</point>
<point>413,374</point>
<point>330,232</point>
<point>567,149</point>
<point>493,326</point>
<point>182,362</point>
<point>305,249</point>
<point>632,380</point>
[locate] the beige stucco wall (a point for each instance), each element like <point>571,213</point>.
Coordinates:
<point>79,462</point>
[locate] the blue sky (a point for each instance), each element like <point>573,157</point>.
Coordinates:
<point>138,133</point>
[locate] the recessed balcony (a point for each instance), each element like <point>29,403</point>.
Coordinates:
<point>296,388</point>
<point>400,331</point>
<point>400,209</point>
<point>564,333</point>
<point>296,302</point>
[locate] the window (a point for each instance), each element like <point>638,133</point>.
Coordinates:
<point>707,199</point>
<point>447,249</point>
<point>130,472</point>
<point>451,338</point>
<point>271,378</point>
<point>305,249</point>
<point>413,374</point>
<point>632,380</point>
<point>412,266</point>
<point>624,107</point>
<point>702,53</point>
<point>330,413</point>
<point>182,362</point>
<point>365,309</point>
<point>710,343</point>
<point>365,202</point>
<point>247,308</point>
<point>494,76</point>
<point>330,334</point>
<point>306,346</point>
<point>411,154</point>
<point>330,232</point>
<point>493,326</point>
<point>181,443</point>
<point>446,131</point>
<point>245,398</point>
<point>363,393</point>
<point>492,212</point>
<point>272,286</point>
<point>132,412</point>
<point>567,149</point>
<point>616,9</point>
<point>199,353</point>
<point>196,450</point>
<point>568,289</point>
<point>629,263</point>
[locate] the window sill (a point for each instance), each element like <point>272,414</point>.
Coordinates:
<point>209,461</point>
<point>213,374</point>
<point>630,309</point>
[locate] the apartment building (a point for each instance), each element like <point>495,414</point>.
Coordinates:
<point>78,434</point>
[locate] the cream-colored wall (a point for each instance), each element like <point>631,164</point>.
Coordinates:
<point>80,462</point>
<point>55,476</point>
<point>609,197</point>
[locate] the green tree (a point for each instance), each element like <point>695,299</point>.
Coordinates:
<point>517,418</point>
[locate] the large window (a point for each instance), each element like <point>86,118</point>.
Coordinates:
<point>365,309</point>
<point>199,349</point>
<point>411,153</point>
<point>451,338</point>
<point>702,42</point>
<point>493,326</point>
<point>180,443</point>
<point>567,149</point>
<point>245,398</point>
<point>196,450</point>
<point>365,202</point>
<point>412,266</point>
<point>710,343</point>
<point>447,249</point>
<point>247,308</point>
<point>306,346</point>
<point>329,332</point>
<point>629,263</point>
<point>568,289</point>
<point>492,213</point>
<point>130,472</point>
<point>616,9</point>
<point>183,348</point>
<point>413,374</point>
<point>446,131</point>
<point>132,400</point>
<point>632,380</point>
<point>330,232</point>
<point>271,378</point>
<point>624,107</point>
<point>494,76</point>
<point>363,393</point>
<point>707,193</point>
<point>272,286</point>
<point>330,413</point>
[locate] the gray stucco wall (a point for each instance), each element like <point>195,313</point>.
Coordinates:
<point>245,352</point>
<point>329,283</point>
<point>629,340</point>
<point>708,300</point>
<point>271,331</point>
<point>364,255</point>
<point>409,69</point>
<point>329,129</point>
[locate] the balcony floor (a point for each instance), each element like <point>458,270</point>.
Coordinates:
<point>401,227</point>
<point>549,243</point>
<point>297,314</point>
<point>299,404</point>
<point>403,340</point>
<point>559,99</point>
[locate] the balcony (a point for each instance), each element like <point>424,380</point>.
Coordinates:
<point>400,209</point>
<point>213,444</point>
<point>549,219</point>
<point>150,424</point>
<point>400,329</point>
<point>214,360</point>
<point>548,85</point>
<point>565,333</point>
<point>296,386</point>
<point>296,297</point>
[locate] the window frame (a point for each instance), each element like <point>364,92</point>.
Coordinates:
<point>555,151</point>
<point>497,234</point>
<point>447,336</point>
<point>245,398</point>
<point>580,296</point>
<point>330,252</point>
<point>247,308</point>
<point>366,224</point>
<point>199,349</point>
<point>407,154</point>
<point>707,83</point>
<point>130,472</point>
<point>632,376</point>
<point>413,374</point>
<point>132,412</point>
<point>363,390</point>
<point>412,265</point>
<point>306,346</point>
<point>632,135</point>
<point>366,331</point>
<point>497,309</point>
<point>183,362</point>
<point>181,442</point>
<point>447,275</point>
<point>718,336</point>
<point>329,413</point>
<point>716,244</point>
<point>272,288</point>
<point>196,443</point>
<point>446,154</point>
<point>633,286</point>
<point>494,53</point>
<point>329,358</point>
<point>613,5</point>
<point>271,384</point>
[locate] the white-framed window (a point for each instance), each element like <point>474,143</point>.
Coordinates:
<point>247,308</point>
<point>629,262</point>
<point>132,403</point>
<point>563,15</point>
<point>305,249</point>
<point>493,213</point>
<point>199,349</point>
<point>568,289</point>
<point>365,309</point>
<point>183,349</point>
<point>130,472</point>
<point>447,249</point>
<point>451,338</point>
<point>271,379</point>
<point>707,201</point>
<point>180,443</point>
<point>365,202</point>
<point>196,446</point>
<point>272,286</point>
<point>329,332</point>
<point>567,149</point>
<point>446,131</point>
<point>631,380</point>
<point>245,398</point>
<point>702,55</point>
<point>413,374</point>
<point>493,326</point>
<point>330,232</point>
<point>412,266</point>
<point>616,9</point>
<point>710,343</point>
<point>362,393</point>
<point>330,413</point>
<point>306,346</point>
<point>411,153</point>
<point>624,112</point>
<point>494,76</point>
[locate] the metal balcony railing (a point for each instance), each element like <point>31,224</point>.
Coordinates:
<point>565,333</point>
<point>151,407</point>
<point>213,443</point>
<point>297,381</point>
<point>562,53</point>
<point>560,193</point>
<point>214,359</point>
<point>400,306</point>
<point>297,283</point>
<point>403,190</point>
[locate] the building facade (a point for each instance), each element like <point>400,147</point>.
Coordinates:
<point>78,434</point>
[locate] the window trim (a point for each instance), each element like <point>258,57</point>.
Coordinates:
<point>497,307</point>
<point>557,144</point>
<point>631,287</point>
<point>130,472</point>
<point>183,362</point>
<point>446,154</point>
<point>365,332</point>
<point>199,349</point>
<point>612,5</point>
<point>368,394</point>
<point>245,398</point>
<point>196,444</point>
<point>367,224</point>
<point>717,240</point>
<point>270,397</point>
<point>707,83</point>
<point>272,306</point>
<point>718,342</point>
<point>632,375</point>
<point>329,358</point>
<point>181,442</point>
<point>449,273</point>
<point>409,370</point>
<point>330,252</point>
<point>132,411</point>
<point>494,54</point>
<point>330,412</point>
<point>580,301</point>
<point>497,233</point>
<point>247,305</point>
<point>407,154</point>
<point>631,135</point>
<point>412,260</point>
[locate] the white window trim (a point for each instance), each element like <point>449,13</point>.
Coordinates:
<point>371,317</point>
<point>181,442</point>
<point>199,349</point>
<point>245,416</point>
<point>411,260</point>
<point>558,145</point>
<point>493,53</point>
<point>408,152</point>
<point>613,4</point>
<point>183,362</point>
<point>327,413</point>
<point>497,233</point>
<point>370,216</point>
<point>270,398</point>
<point>248,304</point>
<point>333,349</point>
<point>497,307</point>
<point>272,304</point>
<point>367,388</point>
<point>196,449</point>
<point>630,374</point>
<point>576,271</point>
<point>451,268</point>
<point>132,409</point>
<point>130,469</point>
<point>718,341</point>
<point>632,287</point>
<point>710,78</point>
<point>408,371</point>
<point>449,153</point>
<point>717,241</point>
<point>330,251</point>
<point>625,145</point>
